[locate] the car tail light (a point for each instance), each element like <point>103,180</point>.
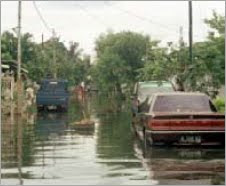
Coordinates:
<point>154,124</point>
<point>158,124</point>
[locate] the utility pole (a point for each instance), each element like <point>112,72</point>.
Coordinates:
<point>54,55</point>
<point>19,82</point>
<point>0,92</point>
<point>181,46</point>
<point>42,41</point>
<point>181,39</point>
<point>19,42</point>
<point>190,30</point>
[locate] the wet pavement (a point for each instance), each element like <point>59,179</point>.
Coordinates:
<point>49,149</point>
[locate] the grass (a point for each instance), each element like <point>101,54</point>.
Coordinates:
<point>219,102</point>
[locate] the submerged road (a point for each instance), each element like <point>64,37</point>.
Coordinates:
<point>48,149</point>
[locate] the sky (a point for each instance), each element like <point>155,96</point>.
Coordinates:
<point>84,21</point>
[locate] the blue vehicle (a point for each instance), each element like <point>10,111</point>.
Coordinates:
<point>53,94</point>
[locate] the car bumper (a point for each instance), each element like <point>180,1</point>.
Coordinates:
<point>184,132</point>
<point>187,137</point>
<point>52,102</point>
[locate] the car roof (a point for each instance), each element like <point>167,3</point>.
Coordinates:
<point>144,82</point>
<point>179,93</point>
<point>155,84</point>
<point>55,80</point>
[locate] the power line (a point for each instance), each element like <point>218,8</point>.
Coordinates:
<point>41,17</point>
<point>53,38</point>
<point>146,19</point>
<point>96,18</point>
<point>140,17</point>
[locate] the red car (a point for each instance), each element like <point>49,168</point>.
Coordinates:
<point>180,118</point>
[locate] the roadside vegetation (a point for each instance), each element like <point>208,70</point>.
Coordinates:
<point>37,58</point>
<point>126,57</point>
<point>219,102</point>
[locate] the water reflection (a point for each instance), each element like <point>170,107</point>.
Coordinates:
<point>16,144</point>
<point>50,124</point>
<point>47,150</point>
<point>183,166</point>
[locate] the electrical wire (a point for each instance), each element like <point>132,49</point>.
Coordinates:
<point>96,18</point>
<point>146,19</point>
<point>140,17</point>
<point>41,17</point>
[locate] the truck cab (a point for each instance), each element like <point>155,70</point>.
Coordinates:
<point>53,94</point>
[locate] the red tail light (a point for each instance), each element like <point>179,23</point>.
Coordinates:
<point>159,124</point>
<point>207,124</point>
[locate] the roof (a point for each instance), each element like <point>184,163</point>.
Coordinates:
<point>141,82</point>
<point>5,66</point>
<point>55,80</point>
<point>12,64</point>
<point>179,93</point>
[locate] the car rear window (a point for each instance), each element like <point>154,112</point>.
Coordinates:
<point>53,86</point>
<point>182,103</point>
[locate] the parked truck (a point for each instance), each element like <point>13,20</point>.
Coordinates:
<point>53,94</point>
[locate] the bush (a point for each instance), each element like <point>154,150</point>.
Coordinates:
<point>220,104</point>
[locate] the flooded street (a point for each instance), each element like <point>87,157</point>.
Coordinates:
<point>49,149</point>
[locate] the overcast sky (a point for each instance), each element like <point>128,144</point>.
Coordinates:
<point>83,22</point>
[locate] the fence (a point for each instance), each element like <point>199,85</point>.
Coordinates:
<point>7,94</point>
<point>7,87</point>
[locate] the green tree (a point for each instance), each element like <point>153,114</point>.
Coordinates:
<point>119,56</point>
<point>37,58</point>
<point>205,74</point>
<point>209,58</point>
<point>8,46</point>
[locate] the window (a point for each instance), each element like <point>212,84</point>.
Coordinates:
<point>182,103</point>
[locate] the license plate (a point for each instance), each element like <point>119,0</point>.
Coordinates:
<point>190,139</point>
<point>52,107</point>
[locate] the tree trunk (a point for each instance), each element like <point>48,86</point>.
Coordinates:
<point>118,89</point>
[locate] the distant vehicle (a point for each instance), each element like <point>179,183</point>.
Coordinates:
<point>53,94</point>
<point>180,118</point>
<point>143,90</point>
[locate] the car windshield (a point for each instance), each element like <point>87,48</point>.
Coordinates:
<point>146,91</point>
<point>182,103</point>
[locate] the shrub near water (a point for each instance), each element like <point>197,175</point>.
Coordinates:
<point>220,104</point>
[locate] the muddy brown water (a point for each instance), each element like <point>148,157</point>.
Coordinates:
<point>48,149</point>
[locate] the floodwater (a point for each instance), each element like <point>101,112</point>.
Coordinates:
<point>49,149</point>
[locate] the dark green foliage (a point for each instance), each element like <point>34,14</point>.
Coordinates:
<point>37,58</point>
<point>220,104</point>
<point>205,73</point>
<point>119,57</point>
